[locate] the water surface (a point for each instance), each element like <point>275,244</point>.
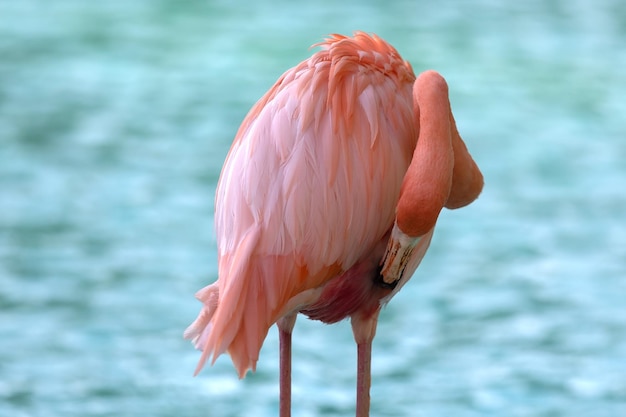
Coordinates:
<point>115,118</point>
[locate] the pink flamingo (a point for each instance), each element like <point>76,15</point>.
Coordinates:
<point>328,200</point>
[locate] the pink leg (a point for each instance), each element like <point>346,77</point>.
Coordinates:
<point>285,327</point>
<point>364,329</point>
<point>363,378</point>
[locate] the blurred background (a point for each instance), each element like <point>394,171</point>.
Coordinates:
<point>116,116</point>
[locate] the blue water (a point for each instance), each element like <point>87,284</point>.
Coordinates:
<point>115,118</point>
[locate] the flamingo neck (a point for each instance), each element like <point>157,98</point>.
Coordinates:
<point>428,180</point>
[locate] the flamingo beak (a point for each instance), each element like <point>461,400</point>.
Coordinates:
<point>395,260</point>
<point>402,257</point>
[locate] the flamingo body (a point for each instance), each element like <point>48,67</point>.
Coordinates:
<point>307,204</point>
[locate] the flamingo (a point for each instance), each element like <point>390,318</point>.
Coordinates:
<point>327,202</point>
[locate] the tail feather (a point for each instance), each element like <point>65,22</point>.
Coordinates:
<point>238,312</point>
<point>233,318</point>
<point>199,331</point>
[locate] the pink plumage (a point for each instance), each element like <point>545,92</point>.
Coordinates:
<point>307,197</point>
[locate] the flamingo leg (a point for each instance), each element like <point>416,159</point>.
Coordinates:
<point>285,328</point>
<point>364,329</point>
<point>364,378</point>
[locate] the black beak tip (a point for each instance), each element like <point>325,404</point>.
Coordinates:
<point>380,281</point>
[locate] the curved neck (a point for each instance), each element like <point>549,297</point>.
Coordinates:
<point>426,185</point>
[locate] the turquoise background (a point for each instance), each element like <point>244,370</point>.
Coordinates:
<point>116,116</point>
